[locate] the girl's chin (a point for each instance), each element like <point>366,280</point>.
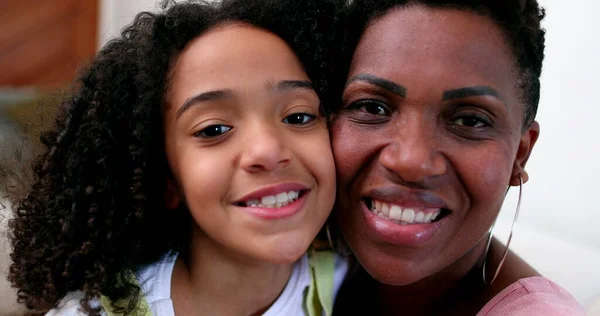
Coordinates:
<point>285,252</point>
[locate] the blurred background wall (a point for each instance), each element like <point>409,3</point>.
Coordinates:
<point>43,42</point>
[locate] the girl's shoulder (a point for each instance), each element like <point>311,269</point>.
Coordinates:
<point>154,280</point>
<point>70,305</point>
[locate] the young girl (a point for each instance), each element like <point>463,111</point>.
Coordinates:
<point>190,171</point>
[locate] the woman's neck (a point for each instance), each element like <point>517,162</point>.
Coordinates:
<point>458,289</point>
<point>444,293</point>
<point>218,282</point>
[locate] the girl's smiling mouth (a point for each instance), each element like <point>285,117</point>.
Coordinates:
<point>275,202</point>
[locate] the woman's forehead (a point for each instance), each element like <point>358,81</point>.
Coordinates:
<point>436,48</point>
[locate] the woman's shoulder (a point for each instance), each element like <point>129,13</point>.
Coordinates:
<point>533,296</point>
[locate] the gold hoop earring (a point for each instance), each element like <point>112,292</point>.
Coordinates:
<point>329,237</point>
<point>512,228</point>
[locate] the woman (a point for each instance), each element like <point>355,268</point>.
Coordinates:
<point>437,120</point>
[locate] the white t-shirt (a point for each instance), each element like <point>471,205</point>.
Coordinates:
<point>155,281</point>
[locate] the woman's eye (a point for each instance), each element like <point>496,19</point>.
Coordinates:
<point>299,118</point>
<point>369,112</point>
<point>213,131</point>
<point>371,107</point>
<point>470,121</point>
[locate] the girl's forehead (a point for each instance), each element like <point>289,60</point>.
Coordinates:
<point>235,58</point>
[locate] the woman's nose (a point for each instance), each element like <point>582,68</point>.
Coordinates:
<point>413,153</point>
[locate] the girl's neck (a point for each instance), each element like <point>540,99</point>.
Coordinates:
<point>218,282</point>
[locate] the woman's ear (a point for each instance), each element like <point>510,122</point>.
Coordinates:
<point>172,195</point>
<point>526,144</point>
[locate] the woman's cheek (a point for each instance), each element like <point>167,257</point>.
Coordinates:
<point>350,145</point>
<point>486,174</point>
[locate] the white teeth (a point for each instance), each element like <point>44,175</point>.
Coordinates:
<point>396,212</point>
<point>274,201</point>
<point>408,215</point>
<point>253,203</point>
<point>292,195</point>
<point>427,218</point>
<point>385,209</point>
<point>402,216</point>
<point>268,200</point>
<point>282,197</point>
<point>419,217</point>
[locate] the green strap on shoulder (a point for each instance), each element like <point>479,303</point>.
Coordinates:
<point>143,309</point>
<point>319,298</point>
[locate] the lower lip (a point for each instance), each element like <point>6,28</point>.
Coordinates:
<point>278,213</point>
<point>400,235</point>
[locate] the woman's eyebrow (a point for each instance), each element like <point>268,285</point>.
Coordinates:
<point>474,91</point>
<point>203,97</point>
<point>380,82</point>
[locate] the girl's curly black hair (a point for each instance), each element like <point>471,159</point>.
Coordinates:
<point>518,19</point>
<point>96,209</point>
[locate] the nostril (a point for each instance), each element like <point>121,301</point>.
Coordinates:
<point>284,162</point>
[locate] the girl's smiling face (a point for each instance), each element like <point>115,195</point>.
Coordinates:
<point>248,149</point>
<point>429,137</point>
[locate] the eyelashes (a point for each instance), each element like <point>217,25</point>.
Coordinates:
<point>299,118</point>
<point>213,131</point>
<point>369,111</point>
<point>469,121</point>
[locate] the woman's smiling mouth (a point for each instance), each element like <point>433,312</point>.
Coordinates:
<point>403,218</point>
<point>403,215</point>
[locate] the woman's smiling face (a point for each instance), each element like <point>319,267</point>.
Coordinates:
<point>427,141</point>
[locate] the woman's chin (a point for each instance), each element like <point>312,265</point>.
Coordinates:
<point>395,276</point>
<point>392,270</point>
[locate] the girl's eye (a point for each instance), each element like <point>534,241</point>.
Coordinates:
<point>213,131</point>
<point>299,119</point>
<point>470,121</point>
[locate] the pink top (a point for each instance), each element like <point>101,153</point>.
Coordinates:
<point>530,297</point>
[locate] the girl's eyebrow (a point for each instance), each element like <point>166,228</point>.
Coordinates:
<point>216,95</point>
<point>285,85</point>
<point>203,97</point>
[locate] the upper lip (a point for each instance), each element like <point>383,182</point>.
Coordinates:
<point>407,198</point>
<point>272,190</point>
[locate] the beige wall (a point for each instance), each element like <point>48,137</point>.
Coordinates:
<point>115,14</point>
